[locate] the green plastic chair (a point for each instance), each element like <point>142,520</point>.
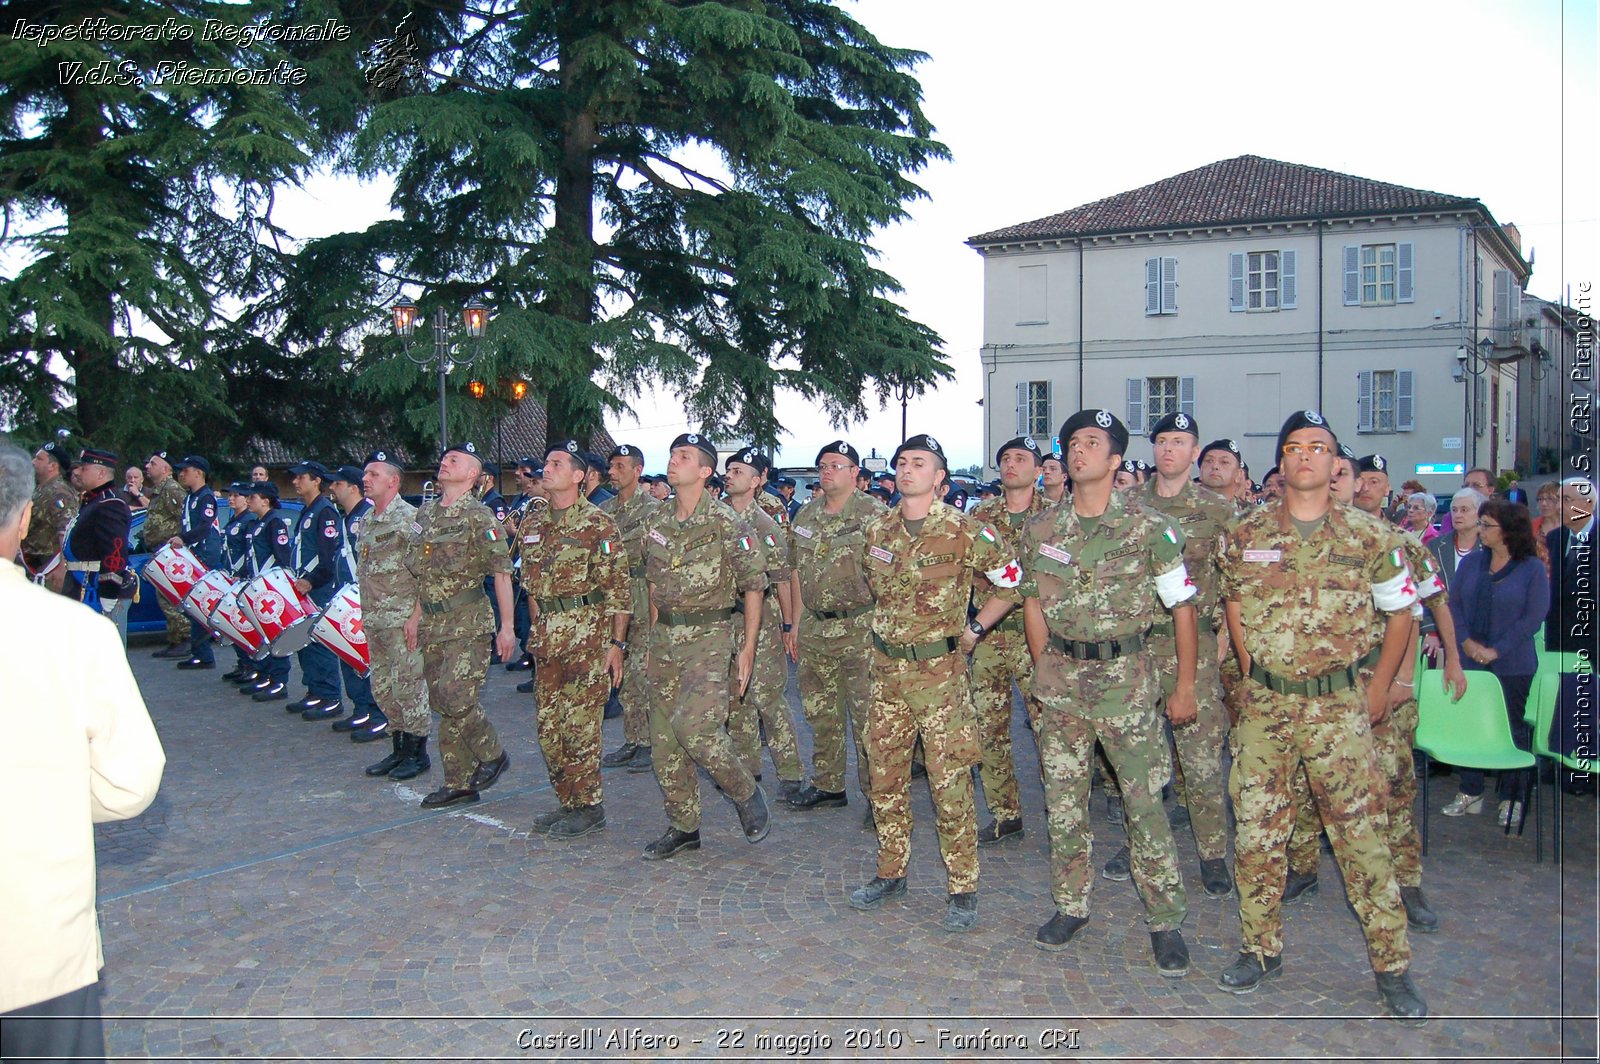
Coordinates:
<point>1471,733</point>
<point>1546,693</point>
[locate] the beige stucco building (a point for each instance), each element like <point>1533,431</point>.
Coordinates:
<point>1249,288</point>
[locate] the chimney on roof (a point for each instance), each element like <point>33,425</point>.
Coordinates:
<point>1513,235</point>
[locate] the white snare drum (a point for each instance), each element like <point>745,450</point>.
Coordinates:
<point>280,614</point>
<point>229,620</point>
<point>207,595</point>
<point>174,571</point>
<point>339,629</point>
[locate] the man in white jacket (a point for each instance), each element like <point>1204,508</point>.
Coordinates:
<point>76,748</point>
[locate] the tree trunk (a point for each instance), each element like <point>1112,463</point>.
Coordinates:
<point>92,356</point>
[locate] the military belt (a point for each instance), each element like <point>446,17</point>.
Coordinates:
<point>636,571</point>
<point>1111,648</point>
<point>920,652</point>
<point>738,607</point>
<point>1011,622</point>
<point>840,615</point>
<point>454,602</point>
<point>562,605</point>
<point>679,617</point>
<point>1165,628</point>
<point>83,567</point>
<point>1326,684</point>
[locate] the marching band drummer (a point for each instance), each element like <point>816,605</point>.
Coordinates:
<point>236,562</point>
<point>268,549</point>
<point>315,542</point>
<point>366,722</point>
<point>199,532</point>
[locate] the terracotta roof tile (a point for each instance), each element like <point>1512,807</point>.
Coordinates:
<point>1245,189</point>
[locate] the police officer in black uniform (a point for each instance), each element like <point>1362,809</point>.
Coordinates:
<point>315,540</point>
<point>200,533</point>
<point>268,542</point>
<point>96,550</point>
<point>236,562</point>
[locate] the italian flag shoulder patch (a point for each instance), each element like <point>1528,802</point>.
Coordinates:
<point>1398,557</point>
<point>744,542</point>
<point>987,535</point>
<point>492,535</point>
<point>1169,535</point>
<point>605,546</point>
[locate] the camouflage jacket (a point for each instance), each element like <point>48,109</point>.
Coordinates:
<point>630,517</point>
<point>457,546</point>
<point>773,506</point>
<point>164,517</point>
<point>772,540</point>
<point>923,583</point>
<point>383,565</point>
<point>1108,577</point>
<point>54,506</point>
<point>574,552</point>
<point>702,563</point>
<point>1310,605</point>
<point>1203,517</point>
<point>829,552</point>
<point>1008,526</point>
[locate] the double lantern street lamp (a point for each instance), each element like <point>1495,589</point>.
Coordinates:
<point>475,316</point>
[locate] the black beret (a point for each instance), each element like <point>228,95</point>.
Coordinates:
<point>1104,420</point>
<point>1130,467</point>
<point>573,450</point>
<point>467,448</point>
<point>264,487</point>
<point>348,473</point>
<point>1301,419</point>
<point>1175,422</point>
<point>1222,445</point>
<point>841,448</point>
<point>92,456</point>
<point>920,442</point>
<point>716,483</point>
<point>1345,451</point>
<point>157,454</point>
<point>697,441</point>
<point>625,450</point>
<point>1021,443</point>
<point>750,457</point>
<point>386,457</point>
<point>1373,463</point>
<point>58,451</point>
<point>316,469</point>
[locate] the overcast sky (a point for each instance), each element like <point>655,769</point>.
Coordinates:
<point>1048,105</point>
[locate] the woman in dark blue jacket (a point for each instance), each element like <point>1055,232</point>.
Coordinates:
<point>1498,599</point>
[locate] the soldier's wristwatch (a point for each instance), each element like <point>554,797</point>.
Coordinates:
<point>619,644</point>
<point>975,628</point>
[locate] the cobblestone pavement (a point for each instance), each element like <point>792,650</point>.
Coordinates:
<point>274,901</point>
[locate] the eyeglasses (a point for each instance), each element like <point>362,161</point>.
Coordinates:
<point>1307,448</point>
<point>1487,524</point>
<point>834,467</point>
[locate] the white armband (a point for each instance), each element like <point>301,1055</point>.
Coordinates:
<point>1396,593</point>
<point>1007,575</point>
<point>1174,586</point>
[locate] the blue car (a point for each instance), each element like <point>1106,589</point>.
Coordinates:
<point>146,616</point>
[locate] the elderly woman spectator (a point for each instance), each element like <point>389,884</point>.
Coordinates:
<point>1449,551</point>
<point>1498,600</point>
<point>1549,504</point>
<point>1418,518</point>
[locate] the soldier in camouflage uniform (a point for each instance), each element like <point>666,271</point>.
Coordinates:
<point>459,543</point>
<point>1001,657</point>
<point>922,559</point>
<point>1101,573</point>
<point>55,504</point>
<point>163,520</point>
<point>388,593</point>
<point>575,571</point>
<point>765,701</point>
<point>831,641</point>
<point>698,556</point>
<point>1203,517</point>
<point>630,508</point>
<point>1301,578</point>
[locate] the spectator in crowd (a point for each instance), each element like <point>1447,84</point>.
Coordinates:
<point>1479,480</point>
<point>1549,516</point>
<point>1418,519</point>
<point>1396,508</point>
<point>1449,552</point>
<point>1498,600</point>
<point>1515,492</point>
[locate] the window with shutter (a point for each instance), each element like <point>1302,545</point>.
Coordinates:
<point>1022,408</point>
<point>1135,417</point>
<point>1405,404</point>
<point>1161,286</point>
<point>1186,395</point>
<point>1364,401</point>
<point>1405,272</point>
<point>1169,286</point>
<point>1152,286</point>
<point>1288,297</point>
<point>1236,281</point>
<point>1352,275</point>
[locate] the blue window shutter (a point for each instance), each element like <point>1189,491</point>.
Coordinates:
<point>1364,401</point>
<point>1186,395</point>
<point>1236,281</point>
<point>1352,275</point>
<point>1022,407</point>
<point>1289,288</point>
<point>1404,273</point>
<point>1405,404</point>
<point>1169,286</point>
<point>1135,407</point>
<point>1152,286</point>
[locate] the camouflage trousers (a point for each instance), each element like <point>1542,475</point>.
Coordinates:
<point>397,684</point>
<point>635,684</point>
<point>570,685</point>
<point>931,699</point>
<point>1125,689</point>
<point>1392,739</point>
<point>1199,778</point>
<point>688,718</point>
<point>454,671</point>
<point>835,678</point>
<point>1329,735</point>
<point>177,621</point>
<point>1000,658</point>
<point>764,699</point>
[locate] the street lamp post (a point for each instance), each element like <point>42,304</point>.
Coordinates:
<point>475,317</point>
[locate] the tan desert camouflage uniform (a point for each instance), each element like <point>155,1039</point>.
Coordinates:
<point>388,594</point>
<point>630,517</point>
<point>764,706</point>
